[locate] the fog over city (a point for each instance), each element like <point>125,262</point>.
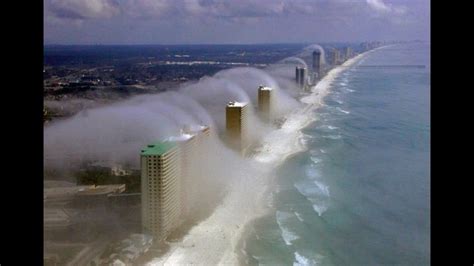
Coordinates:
<point>238,132</point>
<point>114,133</point>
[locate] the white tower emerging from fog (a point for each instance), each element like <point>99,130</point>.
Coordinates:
<point>265,102</point>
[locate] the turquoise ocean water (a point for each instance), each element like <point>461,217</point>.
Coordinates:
<point>360,193</point>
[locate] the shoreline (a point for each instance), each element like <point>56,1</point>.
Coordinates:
<point>219,238</point>
<point>242,256</point>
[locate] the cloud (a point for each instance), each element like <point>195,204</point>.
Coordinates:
<point>213,9</point>
<point>149,8</point>
<point>231,21</point>
<point>219,9</point>
<point>243,8</point>
<point>82,9</point>
<point>380,7</point>
<point>255,9</point>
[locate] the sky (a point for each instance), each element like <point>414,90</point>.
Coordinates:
<point>233,21</point>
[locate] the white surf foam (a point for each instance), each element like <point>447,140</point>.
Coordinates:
<point>320,208</point>
<point>310,191</point>
<point>315,160</point>
<point>342,110</point>
<point>301,260</point>
<point>315,192</point>
<point>333,137</point>
<point>311,171</point>
<point>286,234</point>
<point>322,187</point>
<point>298,215</point>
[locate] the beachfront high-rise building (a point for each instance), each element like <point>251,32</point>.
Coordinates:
<point>365,46</point>
<point>168,170</point>
<point>297,75</point>
<point>265,102</point>
<point>237,126</point>
<point>192,142</point>
<point>188,144</point>
<point>301,77</point>
<point>348,53</point>
<point>161,170</point>
<point>335,56</point>
<point>317,63</point>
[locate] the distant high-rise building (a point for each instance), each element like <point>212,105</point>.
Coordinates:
<point>237,125</point>
<point>314,79</point>
<point>301,77</point>
<point>161,170</point>
<point>366,46</point>
<point>335,56</point>
<point>265,102</point>
<point>317,63</point>
<point>297,75</point>
<point>348,52</point>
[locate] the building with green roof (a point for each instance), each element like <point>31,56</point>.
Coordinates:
<point>158,148</point>
<point>161,188</point>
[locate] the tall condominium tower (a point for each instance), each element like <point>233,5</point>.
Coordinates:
<point>192,143</point>
<point>297,75</point>
<point>236,125</point>
<point>317,63</point>
<point>265,99</point>
<point>348,53</point>
<point>365,46</point>
<point>188,145</point>
<point>161,189</point>
<point>301,76</point>
<point>335,56</point>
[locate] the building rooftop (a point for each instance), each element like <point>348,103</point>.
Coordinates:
<point>264,88</point>
<point>236,104</point>
<point>158,148</point>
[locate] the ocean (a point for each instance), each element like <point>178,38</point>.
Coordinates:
<point>359,192</point>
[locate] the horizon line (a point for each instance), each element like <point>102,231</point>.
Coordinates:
<point>262,43</point>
